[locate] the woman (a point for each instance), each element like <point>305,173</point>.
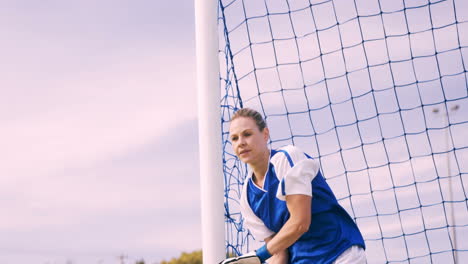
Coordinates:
<point>287,203</point>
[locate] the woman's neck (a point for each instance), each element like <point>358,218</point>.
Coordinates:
<point>260,168</point>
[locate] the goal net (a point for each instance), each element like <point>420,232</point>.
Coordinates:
<point>376,91</point>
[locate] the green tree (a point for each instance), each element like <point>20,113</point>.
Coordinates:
<point>186,258</point>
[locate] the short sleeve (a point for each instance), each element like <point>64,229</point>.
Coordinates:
<point>295,171</point>
<point>251,221</point>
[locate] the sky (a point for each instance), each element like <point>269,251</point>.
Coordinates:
<point>99,142</point>
<point>98,139</point>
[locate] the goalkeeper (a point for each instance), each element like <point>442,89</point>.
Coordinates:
<point>287,203</point>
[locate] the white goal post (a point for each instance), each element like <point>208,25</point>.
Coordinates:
<point>209,122</point>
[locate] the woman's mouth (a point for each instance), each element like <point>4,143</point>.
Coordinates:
<point>244,152</point>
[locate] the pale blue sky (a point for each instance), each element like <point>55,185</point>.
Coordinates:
<point>99,133</point>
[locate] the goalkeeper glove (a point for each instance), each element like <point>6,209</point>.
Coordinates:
<point>255,257</point>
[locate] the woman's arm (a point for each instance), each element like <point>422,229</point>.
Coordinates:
<point>281,257</point>
<point>299,207</point>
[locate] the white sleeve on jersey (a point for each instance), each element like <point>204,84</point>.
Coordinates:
<point>295,179</point>
<point>251,221</point>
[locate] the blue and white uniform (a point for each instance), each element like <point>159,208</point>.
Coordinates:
<point>291,171</point>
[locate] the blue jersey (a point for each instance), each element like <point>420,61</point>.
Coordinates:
<point>291,171</point>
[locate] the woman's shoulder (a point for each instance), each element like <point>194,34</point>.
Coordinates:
<point>288,154</point>
<point>290,149</point>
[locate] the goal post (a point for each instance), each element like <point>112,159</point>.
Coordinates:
<point>209,123</point>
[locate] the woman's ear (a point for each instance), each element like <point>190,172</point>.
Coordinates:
<point>266,133</point>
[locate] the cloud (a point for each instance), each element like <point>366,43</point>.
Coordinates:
<point>134,203</point>
<point>99,142</point>
<point>84,115</point>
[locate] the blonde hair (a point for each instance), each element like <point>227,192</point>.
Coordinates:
<point>248,112</point>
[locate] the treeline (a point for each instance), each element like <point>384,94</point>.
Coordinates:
<point>184,258</point>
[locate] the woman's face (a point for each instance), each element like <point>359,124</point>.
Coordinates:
<point>249,143</point>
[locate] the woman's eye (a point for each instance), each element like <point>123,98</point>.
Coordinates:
<point>234,138</point>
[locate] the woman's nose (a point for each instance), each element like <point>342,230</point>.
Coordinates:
<point>241,141</point>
